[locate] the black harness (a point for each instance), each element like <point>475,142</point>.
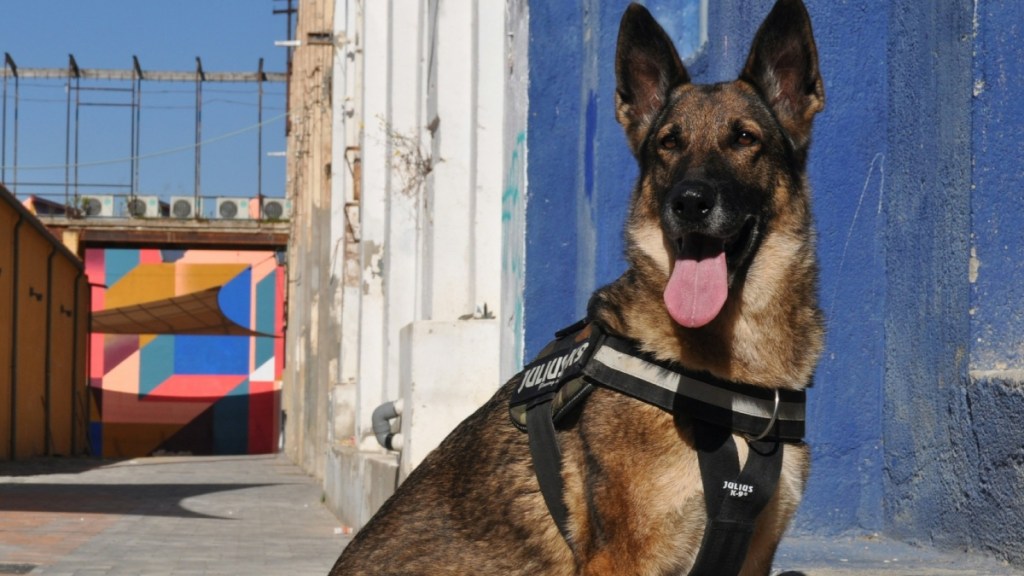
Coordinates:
<point>584,356</point>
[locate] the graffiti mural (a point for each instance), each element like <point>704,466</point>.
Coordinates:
<point>187,393</point>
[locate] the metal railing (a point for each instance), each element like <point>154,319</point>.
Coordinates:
<point>75,195</point>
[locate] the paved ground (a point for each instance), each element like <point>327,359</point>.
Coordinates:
<point>165,515</point>
<point>260,515</point>
<point>849,556</point>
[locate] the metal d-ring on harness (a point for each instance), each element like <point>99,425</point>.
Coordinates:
<point>584,356</point>
<point>771,423</point>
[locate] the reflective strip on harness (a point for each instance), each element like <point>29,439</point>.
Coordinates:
<point>741,408</point>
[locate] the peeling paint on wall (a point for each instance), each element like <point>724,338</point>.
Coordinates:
<point>373,267</point>
<point>974,266</point>
<point>513,223</point>
<point>513,199</point>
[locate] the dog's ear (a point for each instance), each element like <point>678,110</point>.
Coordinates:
<point>647,67</point>
<point>783,66</point>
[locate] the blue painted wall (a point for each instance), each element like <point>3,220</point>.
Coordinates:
<point>916,161</point>
<point>953,397</point>
<point>997,294</point>
<point>994,393</point>
<point>848,165</point>
<point>927,325</point>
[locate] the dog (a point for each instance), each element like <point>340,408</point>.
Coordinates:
<point>721,282</point>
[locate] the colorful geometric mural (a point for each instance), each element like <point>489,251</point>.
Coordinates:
<point>181,393</point>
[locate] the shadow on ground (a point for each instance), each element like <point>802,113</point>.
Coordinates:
<point>121,499</point>
<point>47,466</point>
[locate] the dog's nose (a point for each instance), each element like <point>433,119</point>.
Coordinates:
<point>691,201</point>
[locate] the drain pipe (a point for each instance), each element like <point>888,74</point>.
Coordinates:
<point>14,336</point>
<point>76,310</point>
<point>48,356</point>
<point>381,419</point>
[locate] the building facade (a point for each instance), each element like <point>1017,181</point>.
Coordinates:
<point>395,167</point>
<point>916,184</point>
<point>44,307</point>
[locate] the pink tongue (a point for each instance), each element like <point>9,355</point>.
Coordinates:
<point>698,287</point>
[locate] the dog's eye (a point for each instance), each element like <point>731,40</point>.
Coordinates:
<point>670,142</point>
<point>745,139</point>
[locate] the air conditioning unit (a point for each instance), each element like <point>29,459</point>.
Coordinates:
<point>184,207</point>
<point>233,208</point>
<point>277,209</point>
<point>146,207</point>
<point>93,206</point>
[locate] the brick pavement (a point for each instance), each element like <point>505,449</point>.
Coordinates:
<point>164,515</point>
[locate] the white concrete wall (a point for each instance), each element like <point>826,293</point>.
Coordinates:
<point>450,354</point>
<point>420,87</point>
<point>445,378</point>
<point>346,168</point>
<point>371,378</point>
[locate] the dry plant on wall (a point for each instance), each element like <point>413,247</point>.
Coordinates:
<point>408,160</point>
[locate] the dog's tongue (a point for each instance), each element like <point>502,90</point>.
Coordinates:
<point>699,283</point>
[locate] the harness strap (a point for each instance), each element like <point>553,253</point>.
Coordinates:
<point>751,410</point>
<point>547,462</point>
<point>733,498</point>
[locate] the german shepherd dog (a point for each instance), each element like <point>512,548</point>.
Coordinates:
<point>721,279</point>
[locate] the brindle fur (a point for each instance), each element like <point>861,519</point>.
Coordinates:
<point>632,484</point>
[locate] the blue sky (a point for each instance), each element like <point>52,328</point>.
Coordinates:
<point>228,35</point>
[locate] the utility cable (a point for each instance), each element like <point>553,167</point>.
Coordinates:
<point>166,152</point>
